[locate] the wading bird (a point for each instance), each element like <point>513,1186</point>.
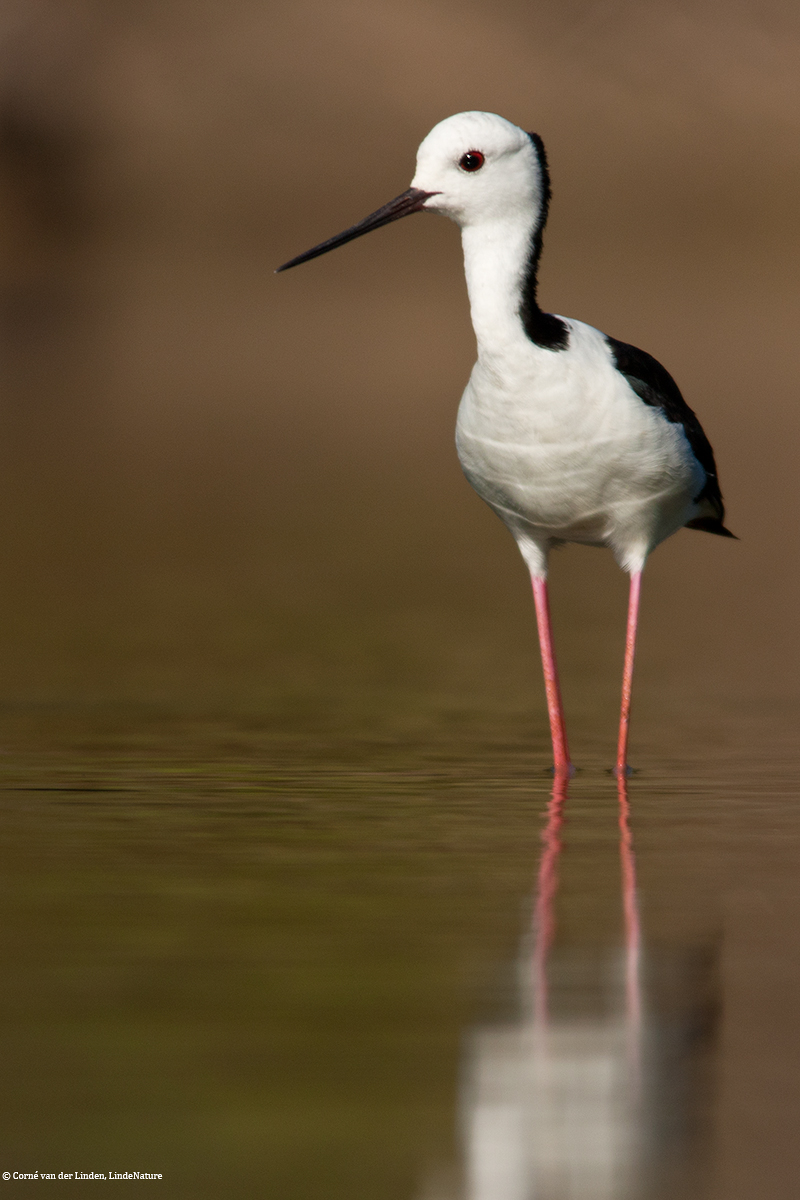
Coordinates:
<point>568,434</point>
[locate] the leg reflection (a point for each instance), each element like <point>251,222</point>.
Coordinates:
<point>544,919</point>
<point>552,1104</point>
<point>630,908</point>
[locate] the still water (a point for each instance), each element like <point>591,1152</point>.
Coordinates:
<point>288,906</point>
<point>299,961</point>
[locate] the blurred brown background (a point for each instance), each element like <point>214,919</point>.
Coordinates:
<point>231,513</point>
<point>223,487</point>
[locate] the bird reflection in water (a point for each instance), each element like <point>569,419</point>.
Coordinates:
<point>553,1104</point>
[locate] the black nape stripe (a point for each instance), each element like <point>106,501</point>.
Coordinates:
<point>542,328</point>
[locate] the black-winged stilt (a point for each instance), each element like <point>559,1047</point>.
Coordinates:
<point>569,435</point>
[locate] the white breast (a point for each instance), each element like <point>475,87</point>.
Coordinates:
<point>563,450</point>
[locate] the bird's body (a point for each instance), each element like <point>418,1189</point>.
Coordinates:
<point>564,451</point>
<point>568,434</point>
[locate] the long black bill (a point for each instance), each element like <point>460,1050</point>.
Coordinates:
<point>410,202</point>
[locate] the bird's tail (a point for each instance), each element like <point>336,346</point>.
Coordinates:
<point>710,525</point>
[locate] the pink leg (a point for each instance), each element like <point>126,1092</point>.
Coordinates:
<point>621,768</point>
<point>555,709</point>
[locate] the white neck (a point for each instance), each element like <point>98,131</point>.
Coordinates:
<point>496,255</point>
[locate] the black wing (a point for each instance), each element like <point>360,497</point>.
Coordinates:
<point>653,384</point>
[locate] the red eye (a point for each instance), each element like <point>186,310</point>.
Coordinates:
<point>473,160</point>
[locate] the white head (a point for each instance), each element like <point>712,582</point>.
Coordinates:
<point>480,168</point>
<point>476,168</point>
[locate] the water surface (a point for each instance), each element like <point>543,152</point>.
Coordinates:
<point>306,962</point>
<point>289,908</point>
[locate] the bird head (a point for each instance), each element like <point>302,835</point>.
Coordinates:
<point>478,167</point>
<point>475,168</point>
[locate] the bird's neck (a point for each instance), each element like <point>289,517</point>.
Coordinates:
<point>497,262</point>
<point>501,260</point>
